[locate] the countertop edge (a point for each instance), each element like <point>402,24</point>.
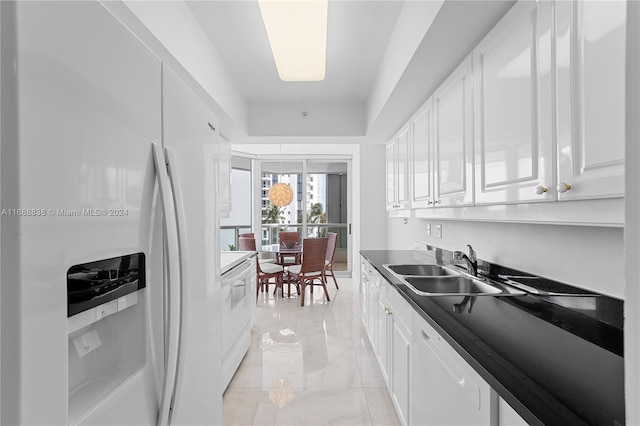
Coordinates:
<point>226,267</point>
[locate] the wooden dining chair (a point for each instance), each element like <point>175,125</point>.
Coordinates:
<point>265,272</point>
<point>332,239</point>
<point>311,271</point>
<point>248,238</point>
<point>288,237</point>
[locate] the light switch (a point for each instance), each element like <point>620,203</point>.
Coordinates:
<point>428,229</point>
<point>439,231</point>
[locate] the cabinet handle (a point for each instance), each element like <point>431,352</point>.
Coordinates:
<point>563,187</point>
<point>541,189</point>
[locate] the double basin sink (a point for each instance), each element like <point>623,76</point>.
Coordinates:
<point>438,280</point>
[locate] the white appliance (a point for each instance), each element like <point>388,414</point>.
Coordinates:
<point>238,311</point>
<point>105,153</point>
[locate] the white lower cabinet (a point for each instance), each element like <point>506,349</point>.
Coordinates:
<point>445,390</point>
<point>400,348</point>
<point>382,349</point>
<point>388,325</point>
<point>369,293</point>
<point>394,343</point>
<point>507,416</point>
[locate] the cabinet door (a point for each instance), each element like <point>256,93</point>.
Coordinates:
<point>453,139</point>
<point>402,168</point>
<point>513,108</point>
<point>401,345</point>
<point>422,159</point>
<point>590,47</point>
<point>383,337</point>
<point>364,292</point>
<point>391,175</point>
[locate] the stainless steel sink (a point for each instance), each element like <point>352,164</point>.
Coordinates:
<point>450,286</point>
<point>421,270</point>
<point>544,287</point>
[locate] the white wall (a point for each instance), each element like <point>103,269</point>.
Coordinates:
<point>372,216</point>
<point>240,213</point>
<point>413,23</point>
<point>632,229</point>
<point>586,257</point>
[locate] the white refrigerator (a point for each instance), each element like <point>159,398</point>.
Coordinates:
<point>106,155</point>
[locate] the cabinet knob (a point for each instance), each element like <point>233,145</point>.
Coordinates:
<point>540,189</point>
<point>430,202</point>
<point>436,201</point>
<point>563,187</point>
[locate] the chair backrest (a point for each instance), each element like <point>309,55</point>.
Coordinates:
<point>246,235</point>
<point>289,236</point>
<point>332,238</point>
<point>246,244</point>
<point>314,251</point>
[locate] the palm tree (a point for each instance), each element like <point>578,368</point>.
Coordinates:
<point>272,214</point>
<point>316,214</point>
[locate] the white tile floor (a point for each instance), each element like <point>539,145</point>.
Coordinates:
<point>310,365</point>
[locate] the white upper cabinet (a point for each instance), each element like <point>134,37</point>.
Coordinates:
<point>453,109</point>
<point>513,108</point>
<point>398,171</point>
<point>590,37</point>
<point>402,147</point>
<point>422,156</point>
<point>391,175</point>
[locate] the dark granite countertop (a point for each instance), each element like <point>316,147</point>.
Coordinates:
<point>552,363</point>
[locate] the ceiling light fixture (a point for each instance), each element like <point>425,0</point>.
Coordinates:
<point>297,31</point>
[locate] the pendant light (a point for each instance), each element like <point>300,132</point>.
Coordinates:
<point>280,194</point>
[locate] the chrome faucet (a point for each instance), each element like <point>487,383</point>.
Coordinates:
<point>472,260</point>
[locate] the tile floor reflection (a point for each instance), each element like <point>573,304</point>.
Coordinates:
<point>310,365</point>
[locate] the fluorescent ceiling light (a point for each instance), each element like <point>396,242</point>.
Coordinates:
<point>297,31</point>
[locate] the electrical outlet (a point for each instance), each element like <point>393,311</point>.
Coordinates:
<point>428,229</point>
<point>438,231</point>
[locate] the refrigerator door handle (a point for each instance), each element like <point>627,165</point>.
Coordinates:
<point>184,272</point>
<point>174,275</point>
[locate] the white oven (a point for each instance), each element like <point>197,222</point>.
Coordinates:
<point>238,307</point>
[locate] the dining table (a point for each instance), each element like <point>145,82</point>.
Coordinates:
<point>283,251</point>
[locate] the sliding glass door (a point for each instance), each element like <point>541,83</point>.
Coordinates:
<point>320,203</point>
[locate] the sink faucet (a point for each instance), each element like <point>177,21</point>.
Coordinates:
<point>472,260</point>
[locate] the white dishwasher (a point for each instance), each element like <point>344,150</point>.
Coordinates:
<point>445,390</point>
<point>238,305</point>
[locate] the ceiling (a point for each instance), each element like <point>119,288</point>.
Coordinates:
<point>384,58</point>
<point>357,35</point>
